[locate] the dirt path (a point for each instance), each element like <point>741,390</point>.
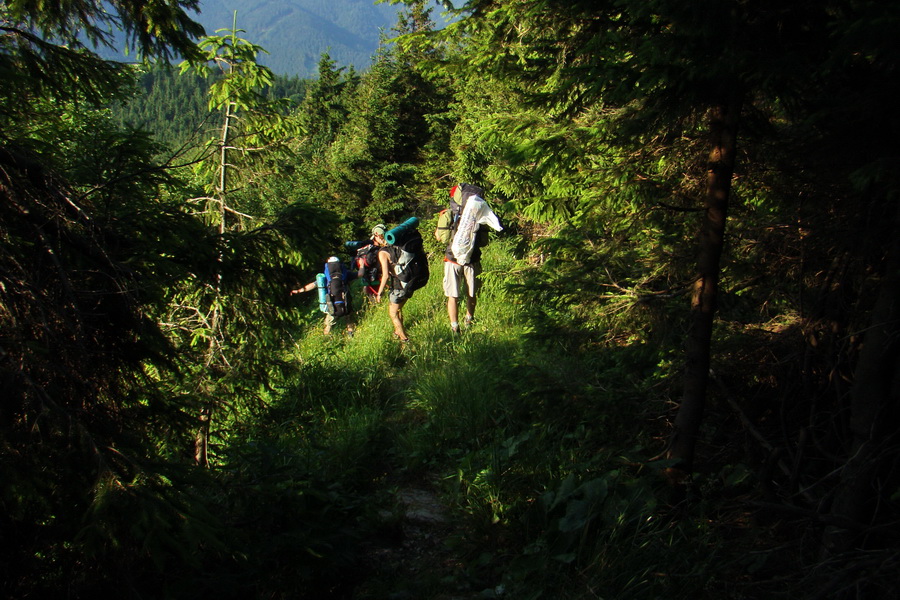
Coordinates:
<point>418,558</point>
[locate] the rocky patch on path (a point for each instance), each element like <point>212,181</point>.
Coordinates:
<point>416,558</point>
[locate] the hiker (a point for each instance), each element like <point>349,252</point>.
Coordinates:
<point>397,295</point>
<point>334,294</point>
<point>367,265</point>
<point>461,227</point>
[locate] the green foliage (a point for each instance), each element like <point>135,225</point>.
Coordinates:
<point>323,110</point>
<point>304,541</point>
<point>242,77</point>
<point>43,50</point>
<point>173,106</point>
<point>375,155</point>
<point>537,447</point>
<point>102,258</point>
<point>362,153</point>
<point>252,124</point>
<point>132,303</point>
<point>83,351</point>
<point>149,30</point>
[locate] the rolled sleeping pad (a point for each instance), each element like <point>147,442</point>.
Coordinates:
<point>399,233</point>
<point>356,245</point>
<point>322,289</point>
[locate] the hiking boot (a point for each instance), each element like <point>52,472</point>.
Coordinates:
<point>468,321</point>
<point>454,329</point>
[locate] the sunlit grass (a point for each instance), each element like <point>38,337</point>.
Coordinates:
<point>528,437</point>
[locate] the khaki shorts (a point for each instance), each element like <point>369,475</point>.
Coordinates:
<point>399,296</point>
<point>455,276</point>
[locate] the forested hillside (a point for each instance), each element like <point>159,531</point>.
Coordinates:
<point>681,380</point>
<point>295,33</point>
<point>175,107</point>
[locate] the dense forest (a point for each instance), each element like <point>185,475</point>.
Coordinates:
<point>681,382</point>
<point>175,107</point>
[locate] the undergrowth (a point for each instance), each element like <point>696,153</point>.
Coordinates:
<point>540,444</point>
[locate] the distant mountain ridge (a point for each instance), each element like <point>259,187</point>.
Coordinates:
<point>295,33</point>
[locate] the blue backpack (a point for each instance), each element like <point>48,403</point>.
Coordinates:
<point>337,285</point>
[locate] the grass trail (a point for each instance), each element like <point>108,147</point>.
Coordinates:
<point>392,421</point>
<point>504,462</point>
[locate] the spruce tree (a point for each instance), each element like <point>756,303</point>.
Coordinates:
<point>641,76</point>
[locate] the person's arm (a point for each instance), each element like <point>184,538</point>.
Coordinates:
<point>385,273</point>
<point>352,273</point>
<point>306,288</point>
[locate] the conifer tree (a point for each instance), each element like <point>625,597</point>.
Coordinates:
<point>84,227</point>
<point>253,127</point>
<point>644,75</point>
<point>383,162</point>
<point>322,111</point>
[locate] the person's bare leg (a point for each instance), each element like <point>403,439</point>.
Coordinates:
<point>396,312</point>
<point>453,312</point>
<point>471,301</point>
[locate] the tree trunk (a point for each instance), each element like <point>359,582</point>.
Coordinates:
<point>201,440</point>
<point>723,129</point>
<point>873,412</point>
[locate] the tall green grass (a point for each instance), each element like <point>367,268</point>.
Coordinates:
<point>539,443</point>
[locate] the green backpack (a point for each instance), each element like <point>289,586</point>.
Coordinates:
<point>448,219</point>
<point>442,232</point>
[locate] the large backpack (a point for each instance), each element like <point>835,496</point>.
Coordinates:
<point>446,222</point>
<point>367,265</point>
<point>410,262</point>
<point>338,302</point>
<point>448,219</point>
